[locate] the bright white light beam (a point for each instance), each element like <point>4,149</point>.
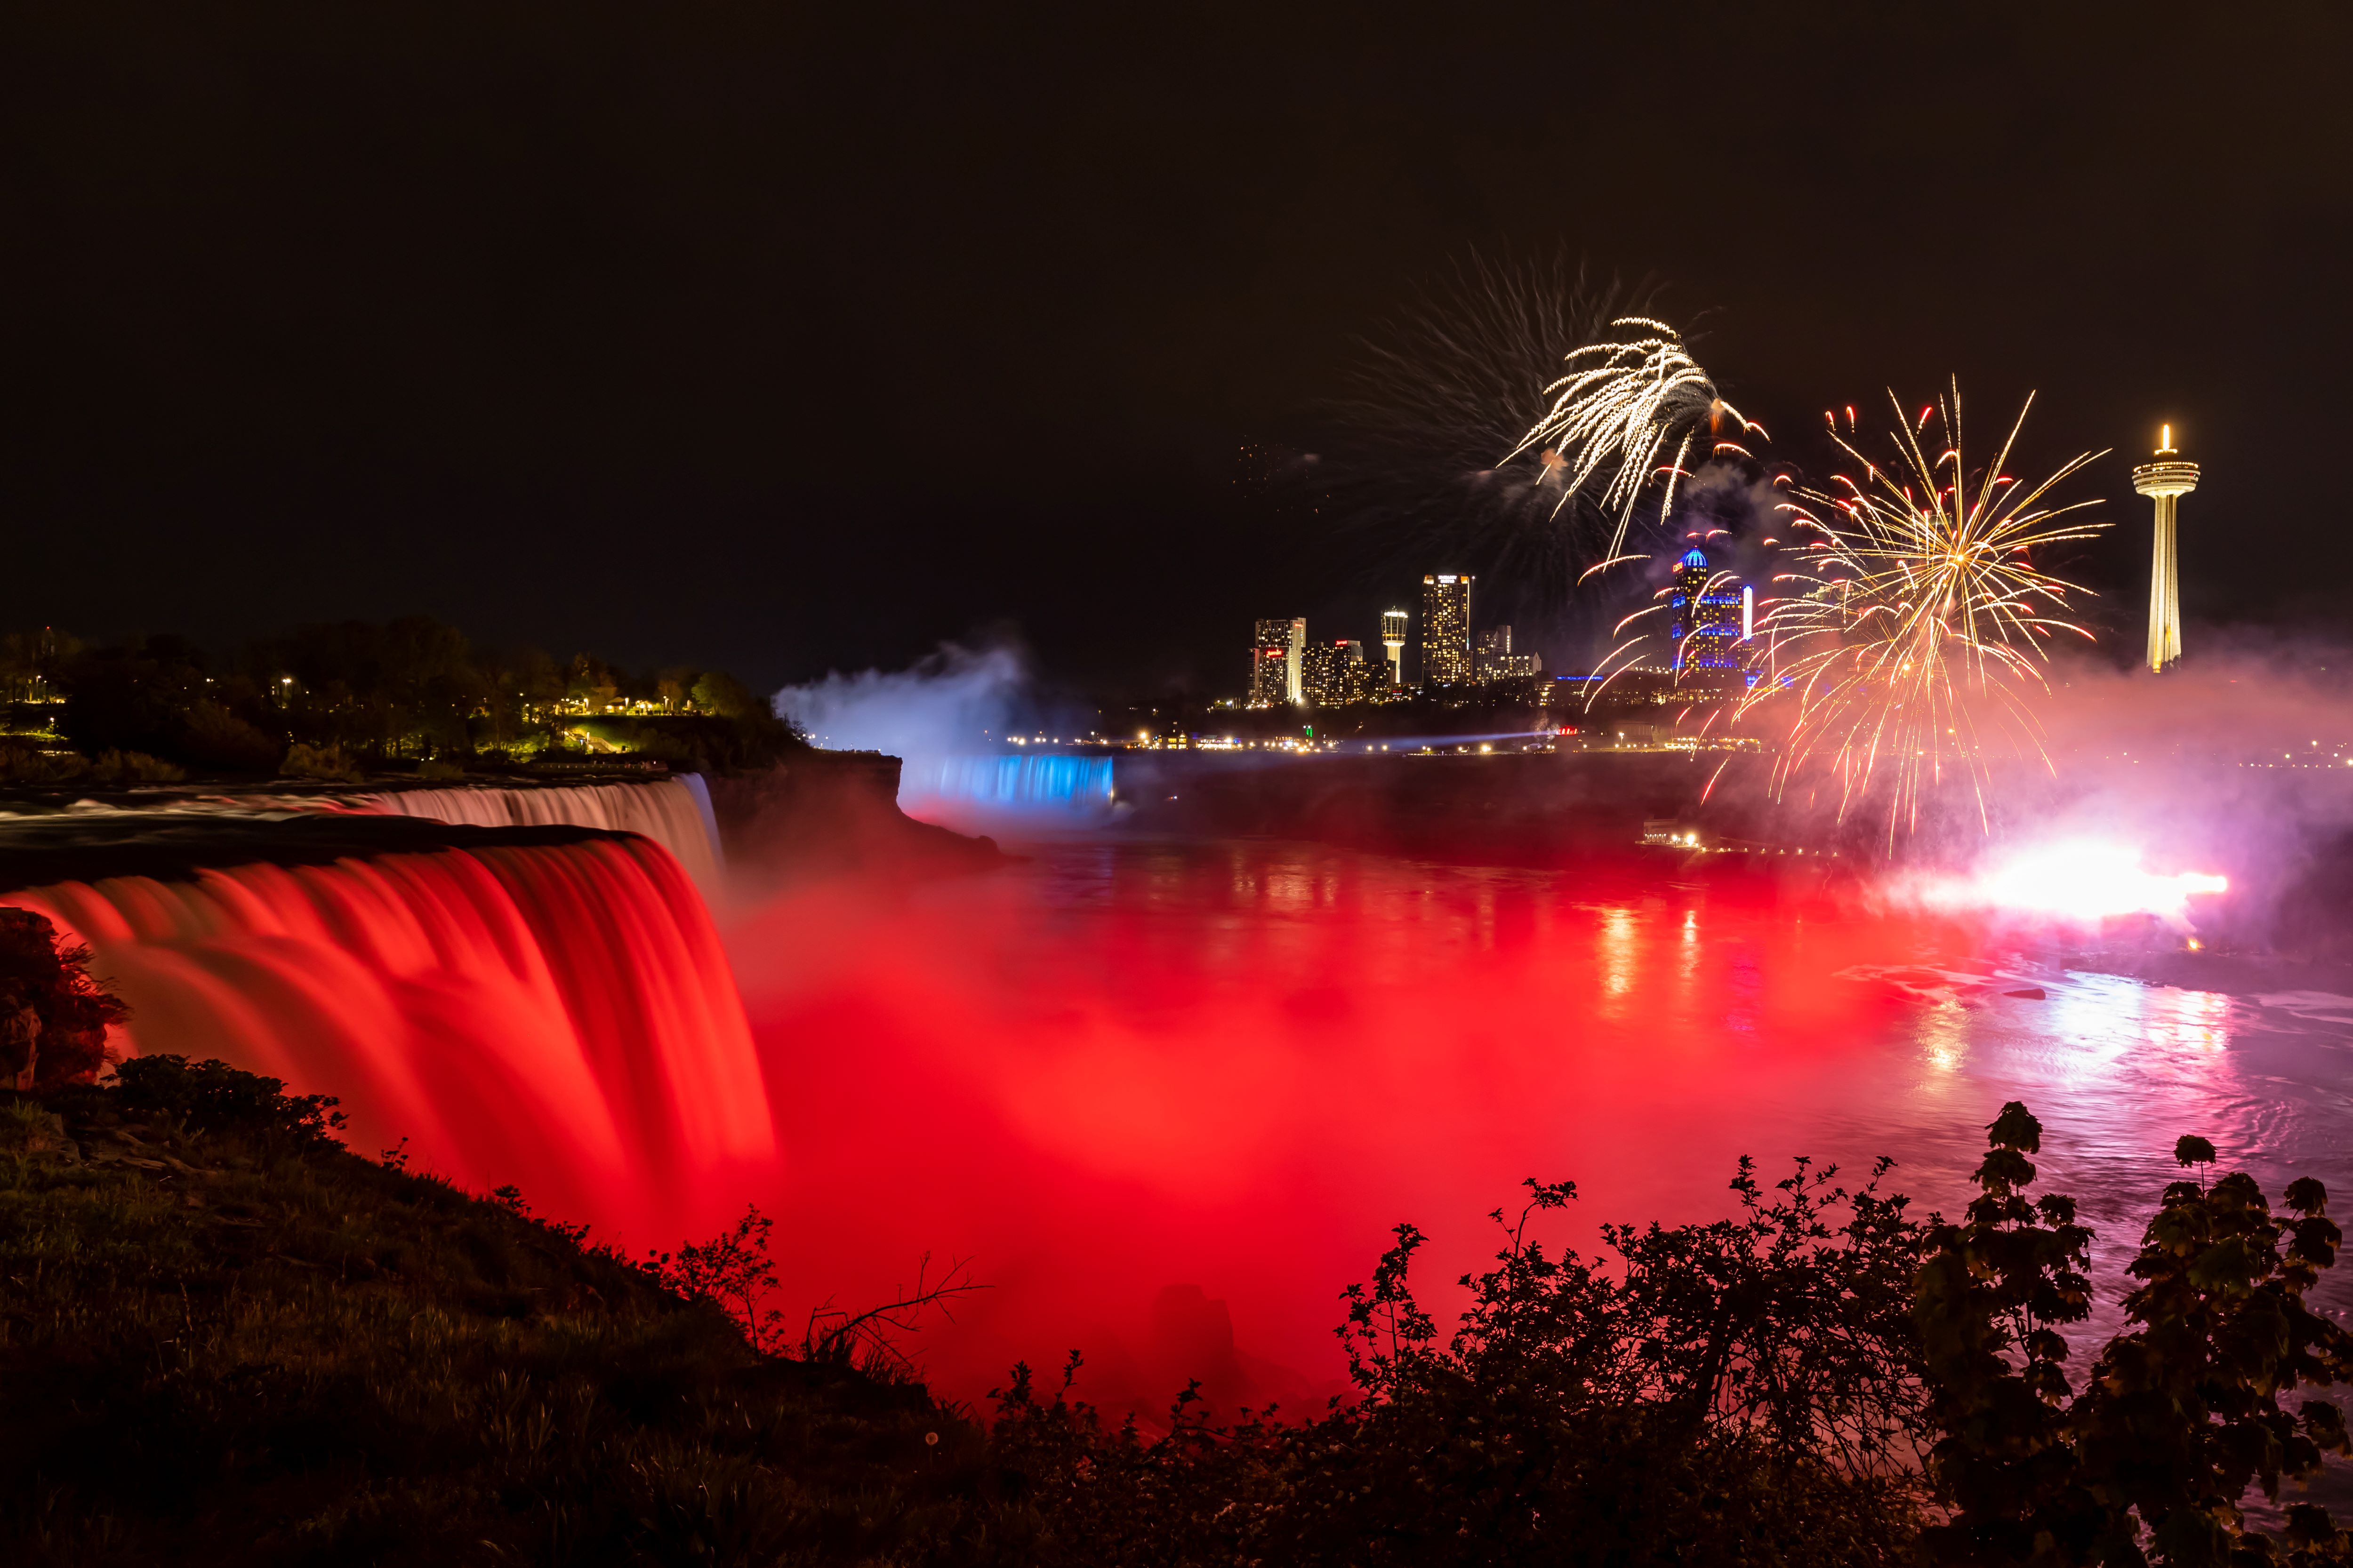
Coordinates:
<point>2080,880</point>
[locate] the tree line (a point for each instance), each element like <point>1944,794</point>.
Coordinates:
<point>338,698</point>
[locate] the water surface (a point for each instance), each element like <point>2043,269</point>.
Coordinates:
<point>1168,1097</point>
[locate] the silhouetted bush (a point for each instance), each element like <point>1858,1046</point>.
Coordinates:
<point>209,1097</point>
<point>325,762</point>
<point>23,762</point>
<point>1743,1391</point>
<point>133,767</point>
<point>2179,1414</point>
<point>1820,1380</point>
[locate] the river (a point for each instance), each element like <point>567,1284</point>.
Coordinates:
<point>1168,1096</point>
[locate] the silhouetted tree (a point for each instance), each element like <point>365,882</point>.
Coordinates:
<point>53,1015</point>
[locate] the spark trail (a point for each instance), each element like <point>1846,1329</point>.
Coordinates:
<point>1629,412</point>
<point>1912,627</point>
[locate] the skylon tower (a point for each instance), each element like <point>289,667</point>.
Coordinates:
<point>2165,480</point>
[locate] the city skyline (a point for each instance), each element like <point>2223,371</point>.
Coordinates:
<point>1288,667</point>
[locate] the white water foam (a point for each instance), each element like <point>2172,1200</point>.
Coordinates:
<point>675,813</point>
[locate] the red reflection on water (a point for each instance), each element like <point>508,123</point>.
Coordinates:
<point>1171,1099</point>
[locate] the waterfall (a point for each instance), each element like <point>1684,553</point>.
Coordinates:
<point>675,813</point>
<point>560,1016</point>
<point>1023,783</point>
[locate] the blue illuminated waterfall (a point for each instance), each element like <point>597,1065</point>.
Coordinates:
<point>1032,783</point>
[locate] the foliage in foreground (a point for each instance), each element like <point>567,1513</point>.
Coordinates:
<point>1739,1391</point>
<point>224,1338</point>
<point>2179,1416</point>
<point>53,1016</point>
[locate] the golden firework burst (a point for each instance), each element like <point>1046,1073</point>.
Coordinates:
<point>1912,627</point>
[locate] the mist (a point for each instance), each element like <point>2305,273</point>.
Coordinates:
<point>2235,762</point>
<point>955,700</point>
<point>947,718</point>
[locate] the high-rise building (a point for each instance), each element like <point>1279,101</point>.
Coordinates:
<point>1496,661</point>
<point>1274,662</point>
<point>1335,672</point>
<point>1707,606</point>
<point>1319,673</point>
<point>2165,480</point>
<point>1445,629</point>
<point>1393,624</point>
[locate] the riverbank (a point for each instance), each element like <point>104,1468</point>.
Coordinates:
<point>230,1341</point>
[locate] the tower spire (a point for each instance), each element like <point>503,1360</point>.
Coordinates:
<point>2165,480</point>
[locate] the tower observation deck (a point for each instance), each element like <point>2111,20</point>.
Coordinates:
<point>2165,480</point>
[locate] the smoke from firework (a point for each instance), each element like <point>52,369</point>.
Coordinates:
<point>1421,465</point>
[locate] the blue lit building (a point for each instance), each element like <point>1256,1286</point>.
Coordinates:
<point>1708,612</point>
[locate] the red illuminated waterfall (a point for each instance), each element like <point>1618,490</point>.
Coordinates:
<point>559,1016</point>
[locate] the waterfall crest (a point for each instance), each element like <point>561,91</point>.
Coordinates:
<point>675,813</point>
<point>560,1016</point>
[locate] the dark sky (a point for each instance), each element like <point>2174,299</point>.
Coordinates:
<point>789,338</point>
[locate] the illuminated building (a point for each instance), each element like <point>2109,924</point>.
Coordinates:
<point>1393,623</point>
<point>1320,666</point>
<point>1274,662</point>
<point>1496,661</point>
<point>1337,672</point>
<point>1445,630</point>
<point>1707,611</point>
<point>2165,480</point>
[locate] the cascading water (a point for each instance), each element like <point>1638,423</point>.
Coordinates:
<point>674,813</point>
<point>1077,785</point>
<point>560,1016</point>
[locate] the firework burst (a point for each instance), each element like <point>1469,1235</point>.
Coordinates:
<point>1912,627</point>
<point>1416,461</point>
<point>1629,411</point>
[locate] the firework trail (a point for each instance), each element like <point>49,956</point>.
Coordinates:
<point>1622,408</point>
<point>1425,458</point>
<point>1912,629</point>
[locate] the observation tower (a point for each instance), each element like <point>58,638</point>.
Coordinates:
<point>2165,480</point>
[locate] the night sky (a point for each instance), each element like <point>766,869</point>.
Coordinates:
<point>788,338</point>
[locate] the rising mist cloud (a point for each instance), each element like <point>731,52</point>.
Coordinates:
<point>955,700</point>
